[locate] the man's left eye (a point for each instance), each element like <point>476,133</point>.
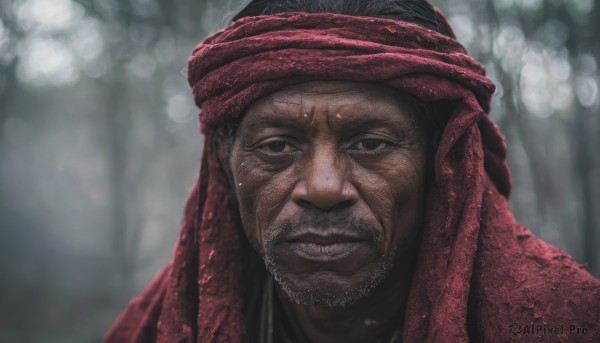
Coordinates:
<point>369,145</point>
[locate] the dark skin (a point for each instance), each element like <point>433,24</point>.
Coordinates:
<point>330,181</point>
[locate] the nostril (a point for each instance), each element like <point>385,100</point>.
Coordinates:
<point>305,204</point>
<point>343,204</point>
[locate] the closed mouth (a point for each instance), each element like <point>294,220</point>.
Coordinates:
<point>324,245</point>
<point>325,239</point>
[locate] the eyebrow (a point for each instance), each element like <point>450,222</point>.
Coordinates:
<point>263,122</point>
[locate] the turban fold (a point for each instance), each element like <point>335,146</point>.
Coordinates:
<point>478,270</point>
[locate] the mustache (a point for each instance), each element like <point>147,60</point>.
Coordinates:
<point>349,223</point>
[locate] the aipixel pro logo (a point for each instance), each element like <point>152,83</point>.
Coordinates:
<point>547,330</point>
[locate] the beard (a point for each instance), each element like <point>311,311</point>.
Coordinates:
<point>339,294</point>
<point>330,299</point>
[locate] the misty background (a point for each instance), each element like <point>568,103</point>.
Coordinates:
<point>99,141</point>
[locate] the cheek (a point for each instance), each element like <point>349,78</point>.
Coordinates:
<point>261,195</point>
<point>394,191</point>
<point>409,203</point>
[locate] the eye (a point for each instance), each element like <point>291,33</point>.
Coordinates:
<point>369,145</point>
<point>277,147</point>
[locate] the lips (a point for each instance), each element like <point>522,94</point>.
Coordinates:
<point>324,245</point>
<point>317,251</point>
<point>325,239</point>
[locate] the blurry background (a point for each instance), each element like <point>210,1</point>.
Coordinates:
<point>99,143</point>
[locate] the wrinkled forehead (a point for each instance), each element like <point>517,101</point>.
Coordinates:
<point>342,94</point>
<point>344,107</point>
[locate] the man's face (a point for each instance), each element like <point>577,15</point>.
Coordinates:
<point>330,180</point>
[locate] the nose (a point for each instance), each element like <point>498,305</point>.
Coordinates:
<point>325,182</point>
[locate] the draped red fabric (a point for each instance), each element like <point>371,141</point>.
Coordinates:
<point>478,271</point>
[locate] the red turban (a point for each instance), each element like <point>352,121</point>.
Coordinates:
<point>478,270</point>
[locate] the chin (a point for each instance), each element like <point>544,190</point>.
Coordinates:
<point>329,288</point>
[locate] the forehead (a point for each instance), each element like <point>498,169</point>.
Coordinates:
<point>346,101</point>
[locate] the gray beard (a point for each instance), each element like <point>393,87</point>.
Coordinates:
<point>335,299</point>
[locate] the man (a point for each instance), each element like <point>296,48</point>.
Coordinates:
<point>353,189</point>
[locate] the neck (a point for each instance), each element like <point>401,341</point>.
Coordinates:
<point>374,318</point>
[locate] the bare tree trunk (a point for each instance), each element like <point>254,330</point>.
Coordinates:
<point>117,129</point>
<point>584,159</point>
<point>583,162</point>
<point>581,138</point>
<point>117,125</point>
<point>542,185</point>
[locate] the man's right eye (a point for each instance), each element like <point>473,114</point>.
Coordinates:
<point>276,147</point>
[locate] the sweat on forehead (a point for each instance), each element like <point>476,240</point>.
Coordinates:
<point>350,105</point>
<point>344,103</point>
